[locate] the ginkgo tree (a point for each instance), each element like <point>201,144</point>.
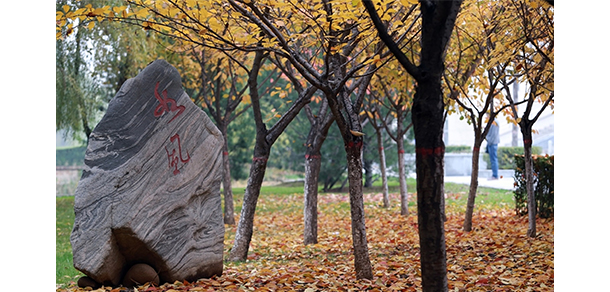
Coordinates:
<point>337,51</point>
<point>534,65</point>
<point>397,99</point>
<point>477,64</point>
<point>372,111</point>
<point>438,20</point>
<point>220,90</point>
<point>391,107</point>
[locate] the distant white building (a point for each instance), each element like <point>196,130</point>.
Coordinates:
<point>459,132</point>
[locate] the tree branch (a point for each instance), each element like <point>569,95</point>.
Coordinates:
<point>392,46</point>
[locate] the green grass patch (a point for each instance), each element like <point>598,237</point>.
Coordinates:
<point>64,217</point>
<point>487,198</point>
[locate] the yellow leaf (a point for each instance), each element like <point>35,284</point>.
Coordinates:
<point>215,25</point>
<point>101,11</point>
<point>356,133</point>
<point>409,2</point>
<point>66,8</point>
<point>142,13</point>
<point>90,25</point>
<point>118,10</point>
<point>203,15</point>
<point>246,99</point>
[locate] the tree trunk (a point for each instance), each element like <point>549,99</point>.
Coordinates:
<point>384,178</point>
<point>428,111</point>
<point>316,137</point>
<point>529,180</point>
<point>310,212</point>
<point>402,178</point>
<point>474,184</point>
<point>438,20</point>
<point>243,234</point>
<point>229,210</point>
<point>354,172</point>
<point>515,127</point>
<point>349,125</point>
<point>368,172</point>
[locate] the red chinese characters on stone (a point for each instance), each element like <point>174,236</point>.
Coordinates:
<point>164,102</point>
<point>174,158</point>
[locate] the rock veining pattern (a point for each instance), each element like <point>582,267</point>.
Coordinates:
<point>150,190</point>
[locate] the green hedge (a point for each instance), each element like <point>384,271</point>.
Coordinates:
<point>70,156</point>
<point>543,185</point>
<point>506,154</point>
<point>458,149</point>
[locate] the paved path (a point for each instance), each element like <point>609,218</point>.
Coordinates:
<point>506,183</point>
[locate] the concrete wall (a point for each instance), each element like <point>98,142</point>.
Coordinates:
<point>460,164</point>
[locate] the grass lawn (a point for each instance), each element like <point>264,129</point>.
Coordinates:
<point>277,244</point>
<point>64,212</point>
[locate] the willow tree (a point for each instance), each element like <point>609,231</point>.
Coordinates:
<point>92,62</point>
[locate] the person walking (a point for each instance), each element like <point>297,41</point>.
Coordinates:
<point>493,139</point>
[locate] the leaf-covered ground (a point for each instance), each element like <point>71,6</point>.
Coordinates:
<point>495,256</point>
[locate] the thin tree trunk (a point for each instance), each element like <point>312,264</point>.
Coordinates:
<point>229,210</point>
<point>245,226</point>
<point>402,178</point>
<point>349,125</point>
<point>368,172</point>
<point>243,234</point>
<point>264,140</point>
<point>316,137</point>
<point>474,184</point>
<point>310,212</point>
<point>382,166</point>
<point>515,127</point>
<point>529,181</point>
<point>354,172</point>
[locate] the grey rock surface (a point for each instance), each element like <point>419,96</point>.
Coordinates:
<point>150,190</point>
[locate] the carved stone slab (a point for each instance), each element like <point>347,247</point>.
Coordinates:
<point>150,190</point>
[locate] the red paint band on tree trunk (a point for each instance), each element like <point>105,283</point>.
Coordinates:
<point>351,144</point>
<point>477,149</point>
<point>381,148</point>
<point>225,153</point>
<point>527,142</point>
<point>263,159</point>
<point>401,151</point>
<point>307,156</point>
<point>430,151</point>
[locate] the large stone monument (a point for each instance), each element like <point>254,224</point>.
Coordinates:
<point>149,196</point>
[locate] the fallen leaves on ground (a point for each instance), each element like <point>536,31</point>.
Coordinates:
<point>496,256</point>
